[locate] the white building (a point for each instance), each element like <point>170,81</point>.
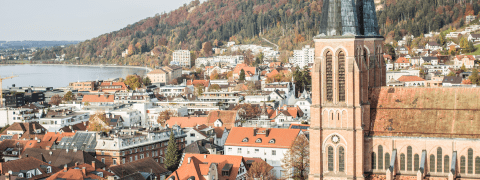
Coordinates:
<point>303,57</point>
<point>9,116</point>
<point>397,74</point>
<point>210,61</point>
<point>53,123</point>
<point>130,116</point>
<point>267,144</point>
<point>181,58</point>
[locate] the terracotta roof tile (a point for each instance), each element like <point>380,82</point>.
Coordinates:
<point>402,60</point>
<point>141,165</point>
<point>185,122</point>
<point>98,98</point>
<point>283,138</point>
<point>410,78</point>
<point>228,117</point>
<point>200,163</point>
<point>28,163</point>
<point>157,71</point>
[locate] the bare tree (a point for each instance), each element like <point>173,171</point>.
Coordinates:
<point>260,171</point>
<point>297,159</point>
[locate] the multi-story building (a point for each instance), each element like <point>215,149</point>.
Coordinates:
<point>268,144</point>
<point>14,100</point>
<point>173,72</point>
<point>58,118</point>
<point>83,86</point>
<point>158,76</point>
<point>224,60</point>
<point>467,60</point>
<point>129,145</point>
<point>304,57</point>
<point>223,97</point>
<point>181,58</point>
<point>172,90</point>
<point>8,116</point>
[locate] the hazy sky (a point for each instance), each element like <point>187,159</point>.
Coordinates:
<point>74,19</point>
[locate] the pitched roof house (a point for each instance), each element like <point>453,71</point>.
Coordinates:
<point>26,168</point>
<point>146,165</point>
<point>207,167</point>
<point>28,130</point>
<point>81,172</point>
<point>59,157</point>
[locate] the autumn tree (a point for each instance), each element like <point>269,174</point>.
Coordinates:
<point>451,73</point>
<point>250,111</point>
<point>214,75</point>
<point>214,88</point>
<point>463,68</point>
<point>163,117</point>
<point>133,81</point>
<point>207,48</point>
<point>172,155</point>
<point>297,159</point>
<point>260,171</point>
<point>466,81</point>
<point>55,100</point>
<point>98,122</point>
<point>147,81</point>
<point>474,77</point>
<point>69,96</point>
<point>199,88</point>
<point>242,75</point>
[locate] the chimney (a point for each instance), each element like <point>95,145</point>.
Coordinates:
<point>70,127</point>
<point>65,168</point>
<point>205,156</point>
<point>267,131</point>
<point>76,163</point>
<point>84,170</point>
<point>74,149</point>
<point>66,150</point>
<point>189,160</point>
<point>93,165</point>
<point>47,147</point>
<point>7,176</point>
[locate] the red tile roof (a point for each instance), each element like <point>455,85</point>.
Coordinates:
<point>106,84</point>
<point>410,78</point>
<point>402,60</point>
<point>157,71</point>
<point>200,163</point>
<point>282,138</point>
<point>228,118</point>
<point>195,82</point>
<point>76,172</point>
<point>247,69</point>
<point>98,98</point>
<point>29,130</point>
<point>185,122</point>
<point>470,57</point>
<point>28,163</point>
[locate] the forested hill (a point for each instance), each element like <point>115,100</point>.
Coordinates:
<point>288,23</point>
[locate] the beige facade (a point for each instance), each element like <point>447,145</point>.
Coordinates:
<point>182,58</point>
<point>158,76</point>
<point>83,86</point>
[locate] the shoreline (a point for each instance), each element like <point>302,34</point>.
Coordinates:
<point>86,65</point>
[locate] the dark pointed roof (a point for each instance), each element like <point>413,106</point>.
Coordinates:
<point>348,18</point>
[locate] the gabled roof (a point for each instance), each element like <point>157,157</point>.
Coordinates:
<point>185,122</point>
<point>402,60</point>
<point>281,138</point>
<point>98,98</point>
<point>406,78</point>
<point>425,112</point>
<point>29,130</point>
<point>200,163</point>
<point>247,69</point>
<point>76,172</point>
<point>28,163</point>
<point>228,117</point>
<point>141,165</point>
<point>475,35</point>
<point>205,83</point>
<point>452,80</point>
<point>157,71</point>
<point>470,57</point>
<point>106,84</point>
<point>51,138</point>
<point>59,157</point>
<point>433,43</point>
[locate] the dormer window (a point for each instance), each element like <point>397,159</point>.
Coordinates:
<point>20,175</point>
<point>258,140</point>
<point>271,141</point>
<point>49,169</point>
<point>245,140</point>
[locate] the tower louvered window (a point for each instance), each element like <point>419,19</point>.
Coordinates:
<point>432,163</point>
<point>446,164</point>
<point>416,162</point>
<point>439,159</point>
<point>330,158</point>
<point>341,78</point>
<point>402,162</point>
<point>477,165</point>
<point>329,74</point>
<point>374,162</point>
<point>380,157</point>
<point>387,160</point>
<point>409,158</point>
<point>462,164</point>
<point>470,161</point>
<point>341,159</point>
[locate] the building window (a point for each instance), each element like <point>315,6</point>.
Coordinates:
<point>409,158</point>
<point>374,161</point>
<point>341,159</point>
<point>462,164</point>
<point>136,157</point>
<point>114,162</point>
<point>103,160</point>
<point>330,158</point>
<point>432,163</point>
<point>446,162</point>
<point>131,159</point>
<point>103,152</point>
<point>380,157</point>
<point>387,161</point>
<point>229,149</point>
<point>341,80</point>
<point>274,152</point>
<point>256,150</point>
<point>329,76</point>
<point>402,162</point>
<point>416,162</point>
<point>192,135</point>
<point>239,150</point>
<point>477,165</point>
<point>439,159</point>
<point>470,161</point>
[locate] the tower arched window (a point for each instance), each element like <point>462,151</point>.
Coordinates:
<point>409,158</point>
<point>462,164</point>
<point>439,159</point>
<point>402,162</point>
<point>446,164</point>
<point>470,161</point>
<point>329,76</point>
<point>477,165</point>
<point>380,157</point>
<point>330,158</point>
<point>341,76</point>
<point>432,163</point>
<point>416,162</point>
<point>374,161</point>
<point>365,58</point>
<point>341,159</point>
<point>387,160</point>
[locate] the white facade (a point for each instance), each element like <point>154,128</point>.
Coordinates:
<point>9,116</point>
<point>395,74</point>
<point>130,116</point>
<point>182,58</point>
<point>54,124</point>
<point>303,57</point>
<point>210,61</point>
<point>152,113</point>
<point>273,156</point>
<point>172,90</point>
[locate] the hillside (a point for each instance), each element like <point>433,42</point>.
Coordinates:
<point>288,23</point>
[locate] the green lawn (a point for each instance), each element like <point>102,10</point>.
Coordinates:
<point>477,50</point>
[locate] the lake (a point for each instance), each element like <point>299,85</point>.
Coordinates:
<point>60,75</point>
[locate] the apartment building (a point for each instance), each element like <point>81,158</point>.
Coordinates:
<point>83,86</point>
<point>303,57</point>
<point>181,58</point>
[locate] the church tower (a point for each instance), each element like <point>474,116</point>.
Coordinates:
<point>348,61</point>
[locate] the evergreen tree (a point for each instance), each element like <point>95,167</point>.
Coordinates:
<point>147,81</point>
<point>172,155</point>
<point>474,77</point>
<point>463,68</point>
<point>242,75</point>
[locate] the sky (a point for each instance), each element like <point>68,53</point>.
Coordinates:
<point>74,19</point>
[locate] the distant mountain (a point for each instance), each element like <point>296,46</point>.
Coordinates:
<point>34,44</point>
<point>288,23</point>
